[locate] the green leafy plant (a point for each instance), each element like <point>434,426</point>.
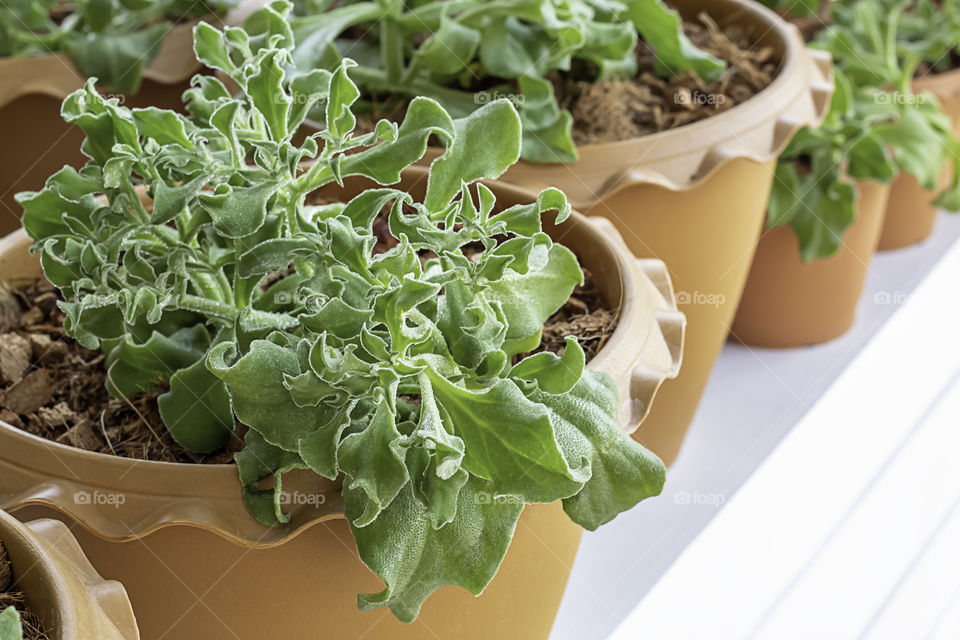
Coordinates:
<point>864,43</point>
<point>876,128</point>
<point>813,189</point>
<point>10,627</point>
<point>113,40</point>
<point>464,53</point>
<point>398,372</point>
<point>929,29</point>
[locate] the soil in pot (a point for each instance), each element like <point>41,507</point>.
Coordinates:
<point>609,111</point>
<point>584,315</point>
<point>54,388</point>
<point>10,597</point>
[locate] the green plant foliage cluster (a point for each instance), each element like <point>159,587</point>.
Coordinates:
<point>876,128</point>
<point>396,371</point>
<point>931,30</point>
<point>465,53</point>
<point>113,40</point>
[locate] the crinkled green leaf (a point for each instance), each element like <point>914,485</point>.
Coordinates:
<point>509,441</point>
<point>623,472</point>
<point>373,461</point>
<point>552,374</point>
<point>662,28</point>
<point>529,299</point>
<point>258,461</point>
<point>473,155</point>
<point>414,559</point>
<point>260,400</point>
<point>197,410</point>
<point>210,47</point>
<point>166,127</point>
<point>265,87</point>
<point>135,367</point>
<point>444,51</point>
<point>238,211</point>
<point>547,129</point>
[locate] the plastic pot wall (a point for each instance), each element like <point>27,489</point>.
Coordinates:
<point>197,566</point>
<point>695,197</point>
<point>910,212</point>
<point>788,303</point>
<point>61,587</point>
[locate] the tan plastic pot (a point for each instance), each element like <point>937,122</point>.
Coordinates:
<point>61,587</point>
<point>197,566</point>
<point>32,89</point>
<point>787,303</point>
<point>910,212</point>
<point>695,198</point>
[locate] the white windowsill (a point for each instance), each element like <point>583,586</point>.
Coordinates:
<point>778,536</point>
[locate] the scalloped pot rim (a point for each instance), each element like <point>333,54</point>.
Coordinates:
<point>757,129</point>
<point>644,350</point>
<point>55,75</point>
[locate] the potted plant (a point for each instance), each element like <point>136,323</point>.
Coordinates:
<point>824,219</point>
<point>48,589</point>
<point>682,109</point>
<point>864,40</point>
<point>138,50</point>
<point>367,342</point>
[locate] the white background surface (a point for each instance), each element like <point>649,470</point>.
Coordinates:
<point>753,401</point>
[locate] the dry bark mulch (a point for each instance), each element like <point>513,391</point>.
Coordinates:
<point>54,388</point>
<point>9,597</point>
<point>614,110</point>
<point>585,315</point>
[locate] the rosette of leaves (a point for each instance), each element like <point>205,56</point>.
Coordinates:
<point>464,53</point>
<point>10,626</point>
<point>112,40</point>
<point>813,188</point>
<point>864,44</point>
<point>399,372</point>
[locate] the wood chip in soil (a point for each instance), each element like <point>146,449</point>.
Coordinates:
<point>586,316</point>
<point>54,388</point>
